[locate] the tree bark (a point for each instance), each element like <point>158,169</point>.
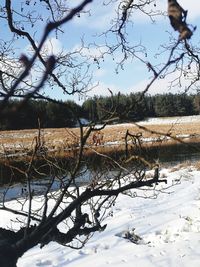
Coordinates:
<point>8,257</point>
<point>9,254</point>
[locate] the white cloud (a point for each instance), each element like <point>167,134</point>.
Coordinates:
<point>193,8</point>
<point>91,52</point>
<point>102,89</point>
<point>99,73</point>
<point>52,46</point>
<point>98,16</point>
<point>161,86</point>
<point>101,16</point>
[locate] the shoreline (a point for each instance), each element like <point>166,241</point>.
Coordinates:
<point>191,143</point>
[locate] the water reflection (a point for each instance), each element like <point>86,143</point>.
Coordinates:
<point>93,168</point>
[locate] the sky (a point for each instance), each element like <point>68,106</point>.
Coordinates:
<point>135,75</point>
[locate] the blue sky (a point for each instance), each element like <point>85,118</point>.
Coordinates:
<point>135,75</point>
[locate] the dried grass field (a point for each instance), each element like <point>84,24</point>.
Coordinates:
<point>63,139</point>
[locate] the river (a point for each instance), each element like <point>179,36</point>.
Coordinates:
<point>13,178</point>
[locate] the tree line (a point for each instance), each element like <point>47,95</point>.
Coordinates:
<point>132,107</point>
<point>48,114</point>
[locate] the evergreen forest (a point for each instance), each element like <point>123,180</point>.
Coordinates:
<point>126,108</point>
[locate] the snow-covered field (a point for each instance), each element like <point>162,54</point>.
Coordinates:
<point>168,225</point>
<point>172,120</point>
<point>163,120</point>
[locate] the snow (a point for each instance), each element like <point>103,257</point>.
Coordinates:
<point>83,122</point>
<point>166,220</point>
<point>161,121</point>
<point>171,120</point>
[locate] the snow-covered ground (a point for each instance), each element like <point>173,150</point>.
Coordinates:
<point>168,224</point>
<point>159,121</point>
<point>162,120</point>
<point>171,120</point>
